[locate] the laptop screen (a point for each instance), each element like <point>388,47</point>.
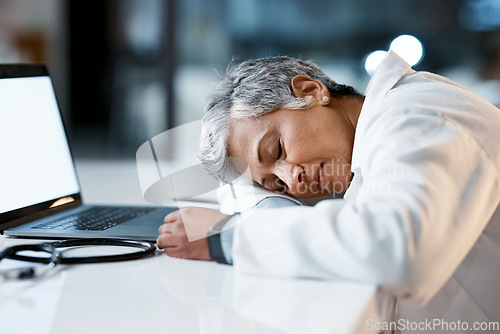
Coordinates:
<point>36,165</point>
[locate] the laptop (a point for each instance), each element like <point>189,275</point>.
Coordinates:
<point>39,189</point>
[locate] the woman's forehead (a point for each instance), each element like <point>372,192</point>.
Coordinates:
<point>242,134</point>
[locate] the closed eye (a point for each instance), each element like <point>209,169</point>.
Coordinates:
<point>280,150</point>
<point>278,185</point>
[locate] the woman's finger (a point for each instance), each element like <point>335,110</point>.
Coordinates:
<point>172,217</point>
<point>172,251</point>
<point>166,240</point>
<point>160,242</point>
<point>165,228</point>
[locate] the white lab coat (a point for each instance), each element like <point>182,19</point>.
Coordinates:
<point>426,160</point>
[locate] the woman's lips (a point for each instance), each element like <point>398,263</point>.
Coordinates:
<point>320,176</point>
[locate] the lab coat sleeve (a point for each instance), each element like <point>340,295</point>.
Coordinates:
<point>227,235</point>
<point>244,196</point>
<point>427,194</point>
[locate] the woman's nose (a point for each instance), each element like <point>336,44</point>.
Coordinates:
<point>292,175</point>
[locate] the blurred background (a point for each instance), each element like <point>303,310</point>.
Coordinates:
<point>127,70</point>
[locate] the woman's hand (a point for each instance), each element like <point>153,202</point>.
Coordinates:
<point>184,233</point>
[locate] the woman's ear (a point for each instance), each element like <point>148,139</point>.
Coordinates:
<point>303,86</point>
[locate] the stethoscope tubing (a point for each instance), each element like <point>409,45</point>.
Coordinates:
<point>58,257</point>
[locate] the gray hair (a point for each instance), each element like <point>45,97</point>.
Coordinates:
<point>252,89</point>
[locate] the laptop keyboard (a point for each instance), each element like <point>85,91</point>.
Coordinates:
<point>95,219</point>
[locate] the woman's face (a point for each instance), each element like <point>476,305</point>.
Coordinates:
<point>305,153</point>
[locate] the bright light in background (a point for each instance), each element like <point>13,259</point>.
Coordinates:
<point>373,60</point>
<point>409,48</point>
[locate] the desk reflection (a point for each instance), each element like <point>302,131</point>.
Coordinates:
<point>229,302</point>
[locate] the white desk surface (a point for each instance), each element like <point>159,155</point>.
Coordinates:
<point>167,295</point>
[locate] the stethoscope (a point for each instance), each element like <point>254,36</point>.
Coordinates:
<point>57,256</point>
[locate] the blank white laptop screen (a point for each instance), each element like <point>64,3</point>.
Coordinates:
<point>35,161</point>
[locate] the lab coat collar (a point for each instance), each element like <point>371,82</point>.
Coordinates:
<point>389,72</point>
